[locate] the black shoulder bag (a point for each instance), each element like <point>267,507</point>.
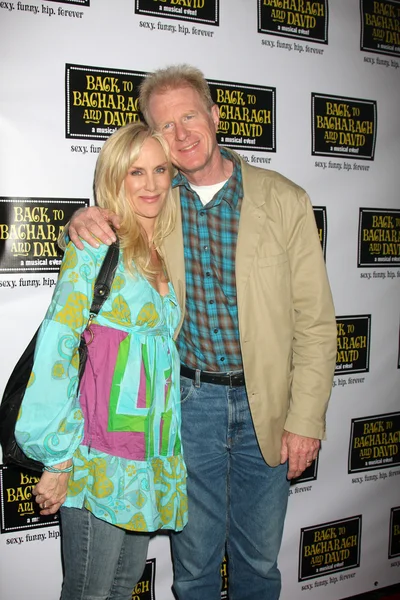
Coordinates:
<point>16,385</point>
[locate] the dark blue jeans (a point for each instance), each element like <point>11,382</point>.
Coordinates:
<point>101,561</point>
<point>235,500</point>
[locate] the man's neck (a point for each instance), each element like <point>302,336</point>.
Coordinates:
<point>211,174</point>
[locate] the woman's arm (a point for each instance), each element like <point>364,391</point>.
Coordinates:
<point>51,491</point>
<point>50,424</point>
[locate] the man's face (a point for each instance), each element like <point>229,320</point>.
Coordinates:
<point>190,130</point>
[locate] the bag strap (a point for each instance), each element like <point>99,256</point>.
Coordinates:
<point>105,278</point>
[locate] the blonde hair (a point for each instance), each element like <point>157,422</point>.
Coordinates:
<point>172,78</point>
<point>117,155</point>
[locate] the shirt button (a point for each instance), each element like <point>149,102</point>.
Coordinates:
<point>208,273</point>
<point>216,330</point>
<point>211,302</point>
<point>202,213</point>
<point>205,248</point>
<point>222,359</point>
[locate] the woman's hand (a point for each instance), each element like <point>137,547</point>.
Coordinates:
<point>92,225</point>
<point>51,491</point>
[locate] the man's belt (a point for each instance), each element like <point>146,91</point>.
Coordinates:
<point>233,379</point>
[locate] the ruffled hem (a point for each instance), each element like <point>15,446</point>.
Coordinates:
<point>138,496</point>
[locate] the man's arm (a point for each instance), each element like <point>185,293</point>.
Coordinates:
<point>91,224</point>
<point>314,343</point>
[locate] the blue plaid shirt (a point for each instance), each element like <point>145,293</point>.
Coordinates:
<point>209,338</point>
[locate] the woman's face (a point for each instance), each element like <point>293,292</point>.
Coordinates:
<point>147,182</point>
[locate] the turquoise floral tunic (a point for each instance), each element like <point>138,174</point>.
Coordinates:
<point>122,430</point>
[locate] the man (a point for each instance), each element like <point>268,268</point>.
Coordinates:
<point>257,341</point>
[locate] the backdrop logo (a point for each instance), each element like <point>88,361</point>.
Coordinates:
<point>380,27</point>
<point>353,344</point>
<point>330,547</point>
<point>198,11</point>
<point>320,219</point>
<point>394,533</point>
<point>294,18</point>
<point>98,101</point>
<point>144,589</point>
<point>398,353</point>
<point>378,237</point>
<point>29,229</point>
<point>18,507</point>
<point>224,578</point>
<point>374,442</point>
<point>247,115</point>
<point>343,127</point>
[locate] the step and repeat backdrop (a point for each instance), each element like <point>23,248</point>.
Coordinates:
<point>310,89</point>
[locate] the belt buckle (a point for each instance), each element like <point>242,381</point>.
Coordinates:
<point>233,378</point>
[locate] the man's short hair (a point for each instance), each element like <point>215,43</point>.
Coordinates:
<point>171,78</point>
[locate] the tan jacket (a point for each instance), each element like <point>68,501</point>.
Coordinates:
<point>287,321</point>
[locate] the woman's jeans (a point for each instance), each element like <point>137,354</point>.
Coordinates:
<point>237,503</point>
<point>101,561</point>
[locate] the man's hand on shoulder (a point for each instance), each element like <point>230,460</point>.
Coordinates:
<point>92,224</point>
<point>300,451</point>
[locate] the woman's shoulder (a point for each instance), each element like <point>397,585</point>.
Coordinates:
<point>88,252</point>
<point>89,258</point>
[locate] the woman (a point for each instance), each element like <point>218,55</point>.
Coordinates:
<point>112,455</point>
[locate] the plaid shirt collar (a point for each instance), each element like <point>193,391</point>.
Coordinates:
<point>233,188</point>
